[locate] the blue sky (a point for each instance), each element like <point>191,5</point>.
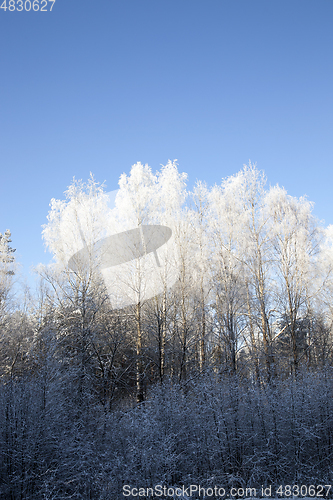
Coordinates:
<point>99,85</point>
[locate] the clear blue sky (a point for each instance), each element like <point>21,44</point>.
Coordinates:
<point>101,84</point>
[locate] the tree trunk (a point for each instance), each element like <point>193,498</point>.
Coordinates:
<point>139,365</point>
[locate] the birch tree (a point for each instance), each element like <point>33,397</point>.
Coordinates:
<point>135,204</point>
<point>256,243</point>
<point>226,220</point>
<point>296,240</point>
<point>199,216</point>
<point>170,211</point>
<point>74,226</point>
<point>146,199</point>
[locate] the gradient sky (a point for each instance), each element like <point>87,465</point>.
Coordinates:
<point>95,86</point>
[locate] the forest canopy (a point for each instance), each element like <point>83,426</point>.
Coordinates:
<point>242,321</point>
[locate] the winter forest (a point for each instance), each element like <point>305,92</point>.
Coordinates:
<point>223,377</point>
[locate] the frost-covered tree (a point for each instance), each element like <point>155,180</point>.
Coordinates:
<point>238,267</point>
<point>256,246</point>
<point>77,290</point>
<point>135,202</point>
<point>144,199</point>
<point>199,215</point>
<point>10,349</point>
<point>170,210</point>
<point>295,237</point>
<point>6,268</point>
<point>6,251</point>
